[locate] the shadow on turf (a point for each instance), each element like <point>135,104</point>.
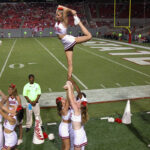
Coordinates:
<point>132,128</point>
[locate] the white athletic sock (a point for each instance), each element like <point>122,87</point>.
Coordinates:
<point>76,20</point>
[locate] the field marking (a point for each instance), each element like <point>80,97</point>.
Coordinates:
<point>132,83</point>
<point>134,53</point>
<point>139,61</point>
<point>99,95</point>
<point>110,60</point>
<point>118,84</point>
<point>50,53</point>
<point>102,85</point>
<point>123,43</point>
<point>32,63</point>
<point>3,68</point>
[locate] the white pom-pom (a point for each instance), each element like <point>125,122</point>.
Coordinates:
<point>51,136</point>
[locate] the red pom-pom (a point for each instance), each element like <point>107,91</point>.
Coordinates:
<point>84,103</point>
<point>19,108</point>
<point>58,99</point>
<point>118,120</point>
<point>45,135</point>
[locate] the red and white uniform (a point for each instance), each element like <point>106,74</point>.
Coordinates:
<point>13,101</point>
<point>1,132</point>
<point>80,138</point>
<point>64,128</point>
<point>10,138</point>
<point>68,40</point>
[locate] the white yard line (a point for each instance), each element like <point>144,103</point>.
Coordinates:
<point>115,62</point>
<point>3,68</point>
<point>102,85</point>
<point>98,95</point>
<point>51,54</point>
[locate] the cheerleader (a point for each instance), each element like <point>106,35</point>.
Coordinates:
<point>11,117</point>
<point>65,125</point>
<point>14,100</point>
<point>79,116</point>
<point>68,40</point>
<point>2,101</point>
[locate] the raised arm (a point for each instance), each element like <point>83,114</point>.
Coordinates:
<point>66,11</point>
<point>76,86</point>
<point>6,108</point>
<point>4,97</point>
<point>71,98</point>
<point>5,115</point>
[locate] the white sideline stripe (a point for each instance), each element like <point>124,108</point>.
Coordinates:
<point>110,60</point>
<point>102,85</point>
<point>132,83</point>
<point>123,43</point>
<point>98,95</point>
<point>118,84</point>
<point>147,82</point>
<point>3,68</point>
<point>61,63</point>
<point>53,123</point>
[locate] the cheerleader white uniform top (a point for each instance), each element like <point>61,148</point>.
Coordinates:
<point>68,116</point>
<point>75,118</point>
<point>13,101</point>
<point>68,40</point>
<point>60,28</point>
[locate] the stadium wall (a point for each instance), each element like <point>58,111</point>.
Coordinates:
<point>45,33</point>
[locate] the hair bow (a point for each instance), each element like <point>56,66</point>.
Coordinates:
<point>19,108</point>
<point>13,85</point>
<point>84,103</point>
<point>58,99</point>
<point>60,8</point>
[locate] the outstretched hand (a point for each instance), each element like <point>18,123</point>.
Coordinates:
<point>67,85</point>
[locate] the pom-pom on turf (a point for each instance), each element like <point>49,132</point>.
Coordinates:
<point>45,135</point>
<point>118,120</point>
<point>51,136</point>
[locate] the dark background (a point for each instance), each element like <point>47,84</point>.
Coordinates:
<point>70,1</point>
